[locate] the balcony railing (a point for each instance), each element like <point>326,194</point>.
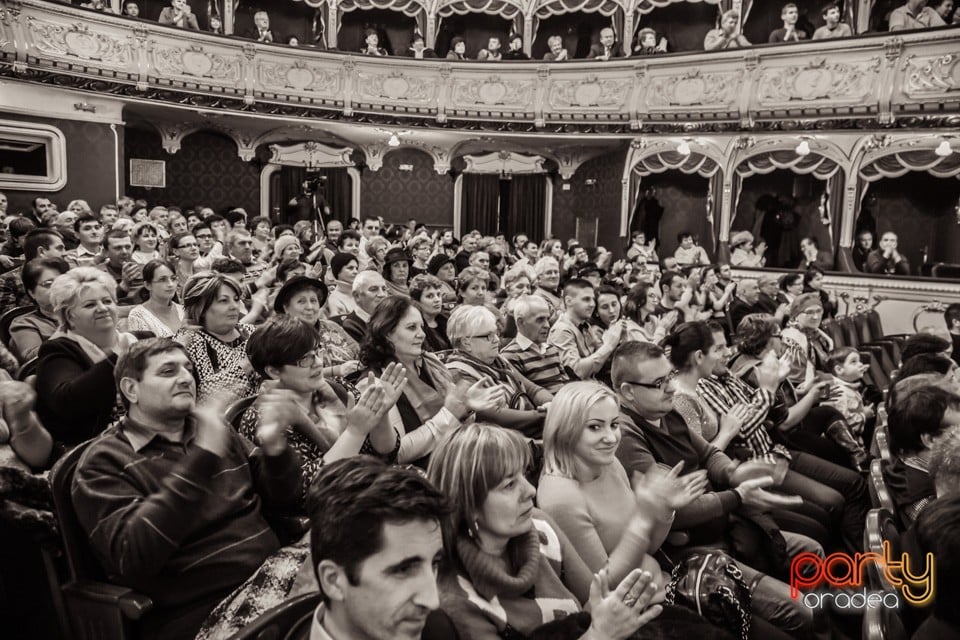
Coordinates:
<point>911,78</point>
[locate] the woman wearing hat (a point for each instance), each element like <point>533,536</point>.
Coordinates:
<point>442,266</point>
<point>743,253</point>
<point>396,271</point>
<point>808,345</point>
<point>303,298</point>
<point>344,268</point>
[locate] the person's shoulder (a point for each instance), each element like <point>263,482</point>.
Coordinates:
<point>107,450</point>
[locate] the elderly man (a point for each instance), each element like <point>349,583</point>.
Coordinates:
<point>747,301</point>
<point>580,350</point>
<point>862,249</point>
<point>261,31</point>
<point>607,48</point>
<point>172,498</point>
<point>240,248</point>
<point>64,226</point>
<point>654,434</point>
<point>547,270</point>
<point>179,14</point>
<point>534,357</point>
<point>369,288</point>
<point>887,259</point>
<point>728,36</point>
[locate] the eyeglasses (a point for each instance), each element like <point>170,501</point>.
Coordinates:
<point>203,236</point>
<point>492,336</point>
<point>658,385</point>
<point>310,359</point>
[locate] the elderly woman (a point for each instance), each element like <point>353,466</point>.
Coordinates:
<point>145,239</point>
<point>743,253</point>
<point>426,291</point>
<point>216,340</point>
<point>286,247</point>
<point>473,333</point>
<point>806,343</point>
<point>510,568</point>
<point>431,403</point>
<point>159,314</point>
<point>396,272</point>
<point>79,207</point>
<point>76,393</point>
<point>29,331</point>
<point>642,323</point>
<point>326,423</point>
<point>376,251</point>
<point>420,248</point>
<point>585,489</point>
<point>303,298</point>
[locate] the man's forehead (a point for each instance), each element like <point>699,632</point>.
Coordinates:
<point>653,369</point>
<point>174,356</point>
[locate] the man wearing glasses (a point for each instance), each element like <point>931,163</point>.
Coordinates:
<point>90,236</point>
<point>654,434</point>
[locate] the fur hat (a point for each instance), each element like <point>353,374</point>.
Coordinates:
<point>739,238</point>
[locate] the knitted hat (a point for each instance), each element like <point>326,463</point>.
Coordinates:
<point>295,284</point>
<point>282,243</point>
<point>437,262</point>
<point>339,261</point>
<point>395,255</point>
<point>739,238</point>
<point>803,302</point>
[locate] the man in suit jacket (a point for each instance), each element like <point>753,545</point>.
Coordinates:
<point>607,48</point>
<point>179,14</point>
<point>261,31</point>
<point>369,288</point>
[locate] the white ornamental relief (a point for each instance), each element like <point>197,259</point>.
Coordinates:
<point>931,75</point>
<point>494,92</point>
<point>819,80</point>
<point>195,61</point>
<point>396,86</point>
<point>694,89</point>
<point>278,76</point>
<point>590,92</point>
<point>59,40</point>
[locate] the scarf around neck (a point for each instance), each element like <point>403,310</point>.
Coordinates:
<point>487,575</point>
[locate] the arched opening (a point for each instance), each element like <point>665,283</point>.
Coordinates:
<point>578,30</point>
<point>683,24</point>
<point>761,19</point>
<point>393,28</point>
<point>475,28</point>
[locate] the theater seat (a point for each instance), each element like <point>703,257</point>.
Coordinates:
<point>880,527</point>
<point>96,609</point>
<point>27,369</point>
<point>879,494</point>
<point>235,411</point>
<point>881,623</point>
<point>7,318</point>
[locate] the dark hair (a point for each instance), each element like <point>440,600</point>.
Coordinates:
<point>455,41</point>
<point>576,284</point>
<point>666,280</point>
<point>87,217</point>
<point>422,282</point>
<point>810,239</point>
<point>228,265</point>
<point>828,6</point>
<point>636,301</point>
<point>754,333</point>
<point>150,269</point>
<point>255,222</point>
<point>280,341</point>
<point>837,357</point>
<point>31,270</point>
<point>351,500</point>
<point>282,228</point>
<point>926,363</point>
<point>203,224</point>
<point>375,349</point>
<point>37,238</point>
<point>629,355</point>
<point>286,266</point>
<point>214,218</point>
<point>233,217</point>
<point>686,340</point>
<point>347,234</point>
<point>811,273</point>
<point>936,532</point>
<point>788,279</point>
<point>919,413</point>
<point>174,242</point>
<point>920,343</point>
<point>952,313</point>
<point>114,234</point>
<point>135,361</point>
<point>20,227</point>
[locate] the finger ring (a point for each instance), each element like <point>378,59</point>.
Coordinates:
<point>630,602</point>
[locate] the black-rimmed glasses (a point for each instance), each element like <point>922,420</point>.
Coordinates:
<point>658,385</point>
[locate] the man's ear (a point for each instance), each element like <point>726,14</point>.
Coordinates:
<point>129,388</point>
<point>333,580</point>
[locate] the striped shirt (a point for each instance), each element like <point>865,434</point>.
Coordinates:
<point>177,522</point>
<point>721,394</point>
<point>538,363</point>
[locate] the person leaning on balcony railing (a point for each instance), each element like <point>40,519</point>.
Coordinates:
<point>179,14</point>
<point>832,28</point>
<point>647,44</point>
<point>493,52</point>
<point>418,48</point>
<point>728,36</point>
<point>371,46</point>
<point>261,31</point>
<point>607,48</point>
<point>458,49</point>
<point>557,53</point>
<point>515,52</point>
<point>788,32</point>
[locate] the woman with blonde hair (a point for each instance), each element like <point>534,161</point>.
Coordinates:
<point>585,488</point>
<point>79,207</point>
<point>76,392</point>
<point>509,568</point>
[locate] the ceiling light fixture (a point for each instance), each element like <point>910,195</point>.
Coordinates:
<point>943,149</point>
<point>803,149</point>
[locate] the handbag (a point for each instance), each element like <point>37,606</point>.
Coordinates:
<point>712,585</point>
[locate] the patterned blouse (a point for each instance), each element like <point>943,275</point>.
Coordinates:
<point>220,367</point>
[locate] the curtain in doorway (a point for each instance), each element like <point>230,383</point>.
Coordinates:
<point>480,203</point>
<point>288,184</point>
<point>527,206</point>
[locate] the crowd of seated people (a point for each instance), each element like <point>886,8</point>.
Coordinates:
<point>914,14</point>
<point>540,435</point>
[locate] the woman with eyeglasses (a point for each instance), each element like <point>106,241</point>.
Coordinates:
<point>29,331</point>
<point>430,403</point>
<point>475,357</point>
<point>184,252</point>
<point>159,313</point>
<point>642,322</point>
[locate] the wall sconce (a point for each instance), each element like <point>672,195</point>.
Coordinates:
<point>943,149</point>
<point>683,148</point>
<point>590,182</point>
<point>803,149</point>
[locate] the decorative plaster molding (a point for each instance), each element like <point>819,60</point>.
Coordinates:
<point>311,154</point>
<point>504,163</point>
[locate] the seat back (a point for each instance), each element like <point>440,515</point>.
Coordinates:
<point>81,561</point>
<point>832,328</point>
<point>7,318</point>
<point>236,410</point>
<point>863,328</point>
<point>849,328</point>
<point>876,326</point>
<point>883,443</point>
<point>880,527</point>
<point>881,623</point>
<point>27,369</point>
<point>879,494</point>
<point>288,621</point>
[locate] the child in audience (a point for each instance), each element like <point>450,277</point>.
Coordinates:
<point>849,396</point>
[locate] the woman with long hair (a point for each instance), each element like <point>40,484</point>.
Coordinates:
<point>642,322</point>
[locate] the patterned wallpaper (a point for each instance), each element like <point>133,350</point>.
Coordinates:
<point>601,200</point>
<point>93,181</point>
<point>205,171</point>
<point>400,195</point>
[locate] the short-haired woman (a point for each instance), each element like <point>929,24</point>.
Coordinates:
<point>76,392</point>
<point>426,291</point>
<point>216,339</point>
<point>145,239</point>
<point>29,331</point>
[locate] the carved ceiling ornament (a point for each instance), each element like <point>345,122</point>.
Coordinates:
<point>504,163</point>
<point>62,40</point>
<point>819,79</point>
<point>311,154</point>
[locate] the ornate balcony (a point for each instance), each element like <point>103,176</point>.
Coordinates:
<point>908,80</point>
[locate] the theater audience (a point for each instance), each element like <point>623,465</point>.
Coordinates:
<point>530,352</point>
<point>369,289</point>
<point>887,259</point>
<point>30,330</point>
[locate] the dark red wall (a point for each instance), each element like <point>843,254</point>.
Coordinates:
<point>206,171</point>
<point>91,170</point>
<point>400,195</point>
